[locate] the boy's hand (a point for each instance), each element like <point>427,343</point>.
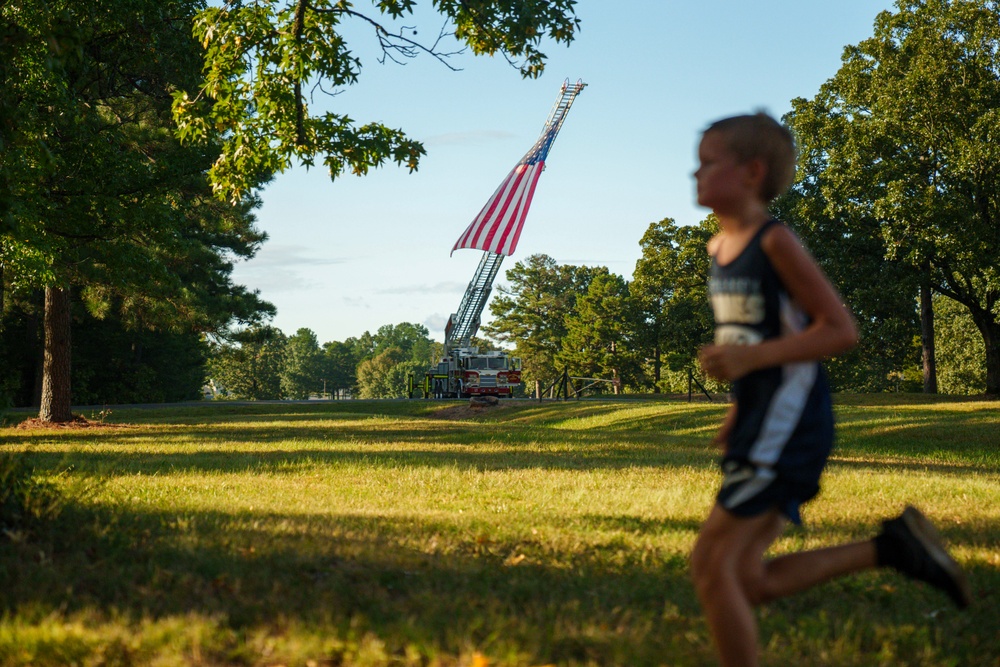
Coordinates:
<point>726,362</point>
<point>722,442</point>
<point>721,439</point>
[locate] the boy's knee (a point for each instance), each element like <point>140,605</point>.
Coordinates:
<point>713,567</point>
<point>707,560</point>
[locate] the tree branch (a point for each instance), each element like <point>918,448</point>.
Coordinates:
<point>398,42</point>
<point>298,27</point>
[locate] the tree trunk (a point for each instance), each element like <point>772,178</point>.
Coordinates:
<point>927,338</point>
<point>990,329</point>
<point>657,364</point>
<point>36,343</point>
<point>991,336</point>
<point>55,405</point>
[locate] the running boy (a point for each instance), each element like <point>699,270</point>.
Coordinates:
<point>776,317</point>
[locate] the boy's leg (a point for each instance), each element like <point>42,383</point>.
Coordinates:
<point>908,543</point>
<point>731,576</point>
<point>726,558</point>
<point>796,572</point>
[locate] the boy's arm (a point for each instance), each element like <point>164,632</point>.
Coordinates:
<point>831,331</point>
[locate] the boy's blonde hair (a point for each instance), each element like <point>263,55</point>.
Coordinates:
<point>760,137</point>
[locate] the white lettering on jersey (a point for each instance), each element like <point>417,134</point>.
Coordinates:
<point>735,334</point>
<point>738,308</point>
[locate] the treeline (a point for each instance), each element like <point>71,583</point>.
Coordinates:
<point>585,320</point>
<point>260,363</point>
<point>116,251</point>
<point>646,332</point>
<point>115,365</point>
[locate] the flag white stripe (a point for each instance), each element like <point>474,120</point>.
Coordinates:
<point>497,228</point>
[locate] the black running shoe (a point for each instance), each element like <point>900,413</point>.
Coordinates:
<point>910,543</point>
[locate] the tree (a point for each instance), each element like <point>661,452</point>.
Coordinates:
<point>600,330</point>
<point>107,205</point>
<point>248,366</point>
<point>880,292</point>
<point>377,365</point>
<point>669,289</point>
<point>363,346</point>
<point>265,58</point>
<point>413,340</point>
<point>113,364</point>
<point>340,367</point>
<point>385,375</point>
<point>33,45</point>
<point>302,371</point>
<point>907,134</point>
<point>959,349</point>
<point>531,313</point>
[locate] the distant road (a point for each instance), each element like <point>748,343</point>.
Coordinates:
<point>196,404</point>
<point>91,409</point>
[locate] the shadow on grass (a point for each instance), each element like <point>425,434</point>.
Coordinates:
<point>302,440</point>
<point>890,462</point>
<point>441,585</point>
<point>586,428</point>
<point>293,461</point>
<point>412,582</point>
<point>545,425</point>
<point>579,458</point>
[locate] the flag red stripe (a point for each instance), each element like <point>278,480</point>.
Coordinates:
<point>512,231</point>
<point>500,218</point>
<point>498,226</point>
<point>494,208</point>
<point>524,213</point>
<point>469,238</point>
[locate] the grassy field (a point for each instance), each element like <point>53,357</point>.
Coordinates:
<point>415,533</point>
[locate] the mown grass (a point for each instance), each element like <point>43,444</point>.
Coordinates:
<point>371,534</point>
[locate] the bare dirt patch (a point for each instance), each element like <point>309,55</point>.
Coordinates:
<point>78,422</point>
<point>468,411</point>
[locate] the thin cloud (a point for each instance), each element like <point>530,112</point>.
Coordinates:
<point>276,268</point>
<point>292,255</point>
<point>273,278</point>
<point>595,262</point>
<point>471,137</point>
<point>439,288</point>
<point>435,324</point>
<point>355,302</point>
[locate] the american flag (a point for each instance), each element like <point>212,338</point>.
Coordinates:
<point>498,226</point>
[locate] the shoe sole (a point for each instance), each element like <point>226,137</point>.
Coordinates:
<point>929,537</point>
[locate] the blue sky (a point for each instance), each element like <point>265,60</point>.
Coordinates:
<point>352,255</point>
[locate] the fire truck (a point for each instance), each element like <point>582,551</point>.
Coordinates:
<point>467,372</point>
<point>464,371</point>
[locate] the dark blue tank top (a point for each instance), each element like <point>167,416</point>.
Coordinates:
<point>783,414</point>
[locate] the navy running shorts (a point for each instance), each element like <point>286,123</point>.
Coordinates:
<point>749,490</point>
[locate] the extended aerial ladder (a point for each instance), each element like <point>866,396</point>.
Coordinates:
<point>464,371</point>
<point>498,226</point>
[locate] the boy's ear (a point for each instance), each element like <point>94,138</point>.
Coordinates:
<point>756,171</point>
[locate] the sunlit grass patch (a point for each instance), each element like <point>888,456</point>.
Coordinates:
<point>387,534</point>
